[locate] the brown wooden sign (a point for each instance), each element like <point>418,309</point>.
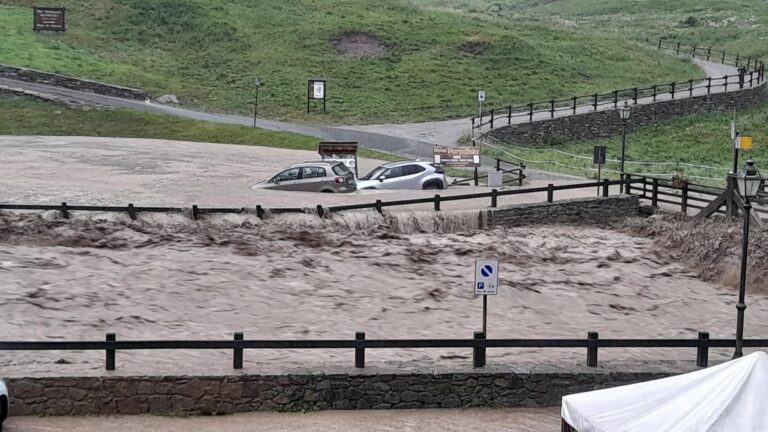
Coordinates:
<point>459,157</point>
<point>49,19</point>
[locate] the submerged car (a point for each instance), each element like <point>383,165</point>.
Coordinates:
<point>404,175</point>
<point>4,403</point>
<point>322,176</point>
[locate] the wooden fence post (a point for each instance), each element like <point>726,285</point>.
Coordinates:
<point>111,337</point>
<point>606,185</point>
<point>378,206</point>
<point>709,52</point>
<point>493,114</point>
<point>359,350</point>
<point>615,98</point>
<point>709,85</point>
<point>635,89</point>
<point>437,202</point>
<point>64,211</point>
<point>550,193</point>
<point>574,105</point>
<point>655,193</point>
<point>530,111</point>
<point>131,211</point>
<point>690,87</point>
<point>654,92</point>
<point>702,351</point>
<point>552,108</point>
<point>595,103</point>
<point>320,211</point>
<point>478,352</point>
<point>726,82</point>
<point>195,212</point>
<point>494,197</point>
<point>592,338</point>
<point>259,212</point>
<point>660,43</point>
<point>678,48</point>
<point>509,115</point>
<point>684,200</point>
<point>628,184</point>
<point>673,89</point>
<point>237,362</point>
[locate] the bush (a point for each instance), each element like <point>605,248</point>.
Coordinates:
<point>691,21</point>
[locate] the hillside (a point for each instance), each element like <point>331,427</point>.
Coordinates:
<point>411,63</point>
<point>701,139</point>
<point>737,26</point>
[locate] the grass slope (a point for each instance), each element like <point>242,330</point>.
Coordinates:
<point>209,52</point>
<point>28,117</point>
<point>738,26</point>
<point>701,139</point>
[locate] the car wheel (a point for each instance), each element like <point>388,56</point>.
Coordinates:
<point>433,184</point>
<point>3,411</point>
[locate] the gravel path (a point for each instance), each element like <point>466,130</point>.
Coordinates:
<point>474,420</point>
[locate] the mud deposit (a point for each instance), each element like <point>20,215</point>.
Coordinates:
<point>299,278</point>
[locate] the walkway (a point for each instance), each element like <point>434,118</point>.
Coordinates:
<point>409,139</point>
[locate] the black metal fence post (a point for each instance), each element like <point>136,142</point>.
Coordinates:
<point>509,115</point>
<point>111,337</point>
<point>574,105</point>
<point>702,351</point>
<point>530,111</point>
<point>709,85</point>
<point>64,211</point>
<point>751,77</point>
<point>550,193</point>
<point>494,198</point>
<point>690,87</point>
<point>726,82</point>
<point>709,51</point>
<point>615,98</point>
<point>673,89</point>
<point>606,185</point>
<point>595,102</point>
<point>635,89</point>
<point>552,108</point>
<point>592,338</point>
<point>654,92</point>
<point>437,202</point>
<point>237,362</point>
<point>478,352</point>
<point>493,114</point>
<point>359,349</point>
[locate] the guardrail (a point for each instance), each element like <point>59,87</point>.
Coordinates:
<point>754,76</point>
<point>479,344</point>
<point>263,213</point>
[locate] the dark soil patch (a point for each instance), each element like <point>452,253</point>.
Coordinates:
<point>359,44</point>
<point>474,47</point>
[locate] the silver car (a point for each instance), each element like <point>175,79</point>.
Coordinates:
<point>322,176</point>
<point>404,175</point>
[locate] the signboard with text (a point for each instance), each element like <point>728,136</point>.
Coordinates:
<point>459,157</point>
<point>486,277</point>
<point>49,19</point>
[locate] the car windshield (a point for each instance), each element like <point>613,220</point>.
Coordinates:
<point>376,173</point>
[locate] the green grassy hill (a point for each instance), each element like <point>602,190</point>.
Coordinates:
<point>209,52</point>
<point>701,139</point>
<point>734,25</point>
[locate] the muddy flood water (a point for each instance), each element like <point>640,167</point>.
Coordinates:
<point>299,278</point>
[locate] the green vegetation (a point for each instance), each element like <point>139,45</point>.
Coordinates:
<point>701,139</point>
<point>27,117</point>
<point>736,26</point>
<point>209,52</point>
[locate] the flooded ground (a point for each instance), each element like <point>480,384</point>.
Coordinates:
<point>299,278</point>
<point>446,420</point>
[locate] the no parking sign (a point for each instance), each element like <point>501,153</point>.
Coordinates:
<point>486,277</point>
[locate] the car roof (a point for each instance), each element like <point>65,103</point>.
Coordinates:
<point>407,162</point>
<point>310,163</point>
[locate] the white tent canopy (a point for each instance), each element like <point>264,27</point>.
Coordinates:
<point>729,397</point>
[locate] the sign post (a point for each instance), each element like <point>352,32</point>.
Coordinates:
<point>598,158</point>
<point>49,19</point>
<point>480,100</point>
<point>316,90</point>
<point>486,283</point>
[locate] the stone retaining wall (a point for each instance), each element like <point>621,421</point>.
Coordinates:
<point>582,211</point>
<point>229,394</point>
<point>605,124</point>
<point>39,77</point>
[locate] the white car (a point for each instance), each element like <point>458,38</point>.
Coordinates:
<point>404,175</point>
<point>4,403</point>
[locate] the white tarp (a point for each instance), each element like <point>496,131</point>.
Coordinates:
<point>731,397</point>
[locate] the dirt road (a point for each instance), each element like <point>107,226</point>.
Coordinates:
<point>475,420</point>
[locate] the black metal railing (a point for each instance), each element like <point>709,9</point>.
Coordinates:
<point>552,108</point>
<point>479,345</point>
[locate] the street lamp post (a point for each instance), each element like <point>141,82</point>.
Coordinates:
<point>258,84</point>
<point>625,111</point>
<point>749,183</point>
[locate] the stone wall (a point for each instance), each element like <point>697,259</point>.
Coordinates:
<point>343,391</point>
<point>582,211</point>
<point>605,124</point>
<point>39,77</point>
